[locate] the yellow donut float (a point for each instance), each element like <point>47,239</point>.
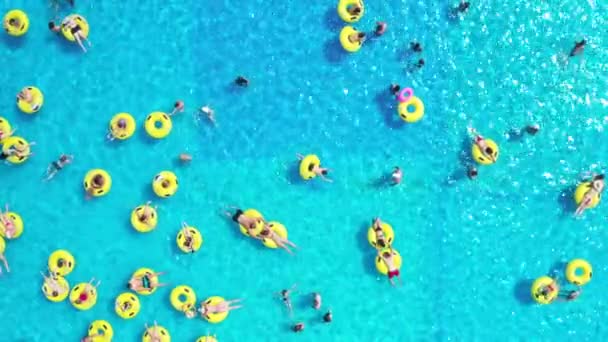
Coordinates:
<point>122,133</point>
<point>53,295</point>
<point>580,192</point>
<point>307,164</point>
<point>17,222</point>
<point>207,338</point>
<point>101,331</point>
<point>82,23</point>
<point>9,145</point>
<point>381,265</point>
<point>343,7</point>
<point>16,23</point>
<point>346,43</point>
<point>416,114</point>
<point>97,191</point>
<point>165,184</point>
<point>61,262</point>
<point>144,227</point>
<point>279,229</point>
<point>161,332</point>
<point>538,285</point>
<point>389,234</point>
<point>148,273</point>
<point>2,245</point>
<point>579,278</point>
<point>195,244</point>
<point>5,129</point>
<point>158,125</point>
<point>480,158</point>
<point>252,213</point>
<point>215,317</point>
<point>91,296</point>
<point>127,305</point>
<point>183,298</point>
<point>35,105</point>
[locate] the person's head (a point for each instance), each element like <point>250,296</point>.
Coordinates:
<point>532,129</point>
<point>599,177</point>
<point>327,317</point>
<point>298,327</point>
<point>357,9</point>
<point>122,123</point>
<point>129,286</point>
<point>381,243</point>
<point>13,22</point>
<point>361,35</point>
<point>284,293</point>
<point>489,150</point>
<point>395,88</point>
<point>51,25</point>
<point>421,62</point>
<point>63,158</point>
<point>99,180</point>
<point>324,172</point>
<point>386,254</point>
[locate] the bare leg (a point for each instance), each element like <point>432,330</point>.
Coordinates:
<point>77,37</point>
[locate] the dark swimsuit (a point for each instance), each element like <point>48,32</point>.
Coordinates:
<point>236,215</point>
<point>75,29</point>
<point>57,166</point>
<point>145,282</point>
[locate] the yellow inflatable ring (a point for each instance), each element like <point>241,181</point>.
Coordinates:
<point>2,245</point>
<point>37,101</point>
<point>580,192</point>
<point>10,143</point>
<point>53,296</point>
<point>408,116</point>
<point>381,265</point>
<point>102,330</point>
<point>161,331</point>
<point>82,23</point>
<point>61,262</point>
<point>88,182</point>
<point>17,222</point>
<point>538,284</point>
<point>165,184</point>
<point>158,125</point>
<point>389,235</point>
<point>480,158</point>
<point>215,317</point>
<point>183,298</point>
<point>307,164</point>
<point>279,229</point>
<point>152,279</point>
<point>122,133</point>
<point>144,227</point>
<point>343,6</point>
<point>21,17</point>
<point>252,213</point>
<point>195,244</point>
<point>573,275</point>
<point>5,129</point>
<point>207,338</point>
<point>346,43</point>
<point>77,291</point>
<point>132,303</point>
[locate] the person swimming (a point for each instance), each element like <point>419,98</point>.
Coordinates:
<point>416,47</point>
<point>209,112</point>
<point>481,142</point>
<point>327,318</point>
<point>316,300</point>
<point>516,134</point>
<point>472,172</point>
<point>298,327</point>
<point>241,81</point>
<point>394,88</point>
<point>284,295</point>
<point>579,48</point>
<point>380,28</point>
<point>249,223</point>
<point>178,107</point>
<point>396,176</point>
<point>58,165</point>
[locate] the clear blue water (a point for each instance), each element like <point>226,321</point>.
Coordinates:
<point>470,249</point>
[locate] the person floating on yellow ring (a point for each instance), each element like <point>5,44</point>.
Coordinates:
<point>20,150</point>
<point>145,216</point>
<point>145,282</point>
<point>486,150</point>
<point>316,169</point>
<point>381,239</point>
<point>592,195</point>
<point>388,257</point>
<point>562,295</point>
<point>249,223</point>
<point>27,95</point>
<point>270,234</point>
<point>154,332</point>
<point>89,290</point>
<point>71,25</point>
<point>212,309</point>
<point>10,230</point>
<point>55,287</point>
<point>188,238</point>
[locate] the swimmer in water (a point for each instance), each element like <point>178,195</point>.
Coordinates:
<point>327,318</point>
<point>56,166</point>
<point>285,297</point>
<point>316,300</point>
<point>472,172</point>
<point>394,88</point>
<point>396,176</point>
<point>54,27</point>
<point>298,327</point>
<point>570,295</point>
<point>178,107</point>
<point>317,169</point>
<point>380,28</point>
<point>419,64</point>
<point>595,190</point>
<point>578,49</point>
<point>518,134</point>
<point>241,81</point>
<point>185,157</point>
<point>224,306</point>
<point>145,282</point>
<point>416,47</point>
<point>210,113</point>
<point>481,142</point>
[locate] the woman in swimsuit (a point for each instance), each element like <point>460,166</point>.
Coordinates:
<point>380,238</point>
<point>146,214</point>
<point>393,271</point>
<point>188,236</point>
<point>7,222</point>
<point>595,189</point>
<point>56,288</point>
<point>154,333</point>
<point>481,142</point>
<point>284,295</point>
<point>26,95</point>
<point>147,281</point>
<point>250,223</point>
<point>121,124</point>
<point>316,169</point>
<point>57,165</point>
<point>178,107</point>
<point>207,309</point>
<point>18,150</point>
<point>76,31</point>
<point>268,233</point>
<point>88,289</point>
<point>97,183</point>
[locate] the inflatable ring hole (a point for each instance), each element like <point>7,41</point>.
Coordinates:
<point>182,297</point>
<point>158,124</point>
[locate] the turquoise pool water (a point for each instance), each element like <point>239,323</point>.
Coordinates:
<point>470,249</point>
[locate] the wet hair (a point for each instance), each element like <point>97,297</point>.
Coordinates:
<point>416,47</point>
<point>357,10</point>
<point>99,180</point>
<point>242,81</point>
<point>489,150</point>
<point>63,158</point>
<point>472,173</point>
<point>532,129</point>
<point>284,293</point>
<point>12,21</point>
<point>165,183</point>
<point>122,123</point>
<point>327,317</point>
<point>298,327</point>
<point>129,286</point>
<point>381,243</point>
<point>420,62</point>
<point>386,254</point>
<point>361,34</point>
<point>395,88</point>
<point>51,25</point>
<point>599,177</point>
<point>324,172</point>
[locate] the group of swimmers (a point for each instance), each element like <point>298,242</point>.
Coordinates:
<point>251,225</point>
<point>285,294</point>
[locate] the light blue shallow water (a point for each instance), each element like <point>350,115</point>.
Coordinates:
<point>470,249</point>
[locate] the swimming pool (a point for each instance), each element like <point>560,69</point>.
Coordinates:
<point>470,249</point>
